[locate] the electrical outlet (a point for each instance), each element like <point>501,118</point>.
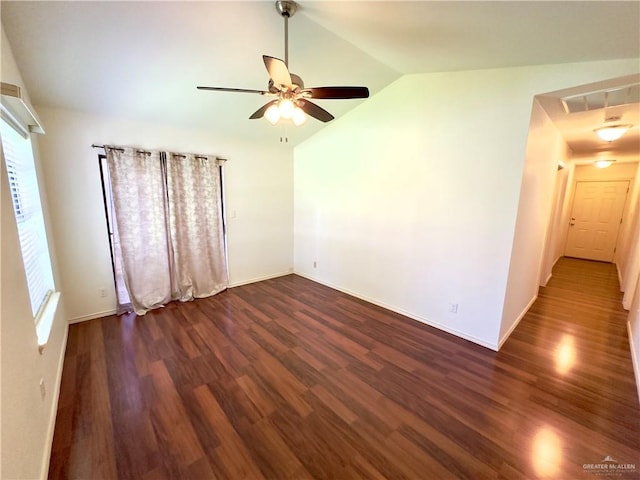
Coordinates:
<point>103,292</point>
<point>315,264</point>
<point>43,390</point>
<point>453,308</point>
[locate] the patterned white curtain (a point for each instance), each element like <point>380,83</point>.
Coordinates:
<point>169,227</point>
<point>195,220</point>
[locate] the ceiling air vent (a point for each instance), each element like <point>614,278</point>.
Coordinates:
<point>602,99</point>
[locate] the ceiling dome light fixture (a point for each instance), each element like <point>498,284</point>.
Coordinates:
<point>603,163</point>
<point>611,133</point>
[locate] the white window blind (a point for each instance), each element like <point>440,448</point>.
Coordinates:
<point>25,195</point>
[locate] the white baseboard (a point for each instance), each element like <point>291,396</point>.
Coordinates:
<point>260,279</point>
<point>409,315</point>
<point>46,459</point>
<point>515,324</point>
<point>635,359</point>
<point>92,316</point>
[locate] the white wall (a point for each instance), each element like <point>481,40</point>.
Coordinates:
<point>555,240</point>
<point>411,199</point>
<point>258,188</point>
<point>27,419</point>
<point>545,150</point>
<point>631,281</point>
<point>586,171</point>
<point>629,263</point>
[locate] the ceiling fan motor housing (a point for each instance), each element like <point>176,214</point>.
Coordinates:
<point>296,81</point>
<point>286,8</point>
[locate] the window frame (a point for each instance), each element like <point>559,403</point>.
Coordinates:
<point>22,175</point>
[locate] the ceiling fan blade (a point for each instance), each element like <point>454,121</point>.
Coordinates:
<point>225,89</point>
<point>338,92</point>
<point>315,111</point>
<point>278,71</point>
<point>260,112</point>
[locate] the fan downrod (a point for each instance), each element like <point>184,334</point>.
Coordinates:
<point>286,8</point>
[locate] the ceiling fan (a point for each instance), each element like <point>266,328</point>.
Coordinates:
<point>291,97</point>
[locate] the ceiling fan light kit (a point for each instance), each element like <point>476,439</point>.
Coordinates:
<point>291,102</point>
<point>285,109</point>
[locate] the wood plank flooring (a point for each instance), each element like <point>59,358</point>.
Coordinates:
<point>289,379</point>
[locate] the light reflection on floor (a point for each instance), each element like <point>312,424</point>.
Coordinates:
<point>546,453</point>
<point>565,354</point>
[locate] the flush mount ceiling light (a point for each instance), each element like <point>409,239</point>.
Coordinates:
<point>610,133</point>
<point>603,163</point>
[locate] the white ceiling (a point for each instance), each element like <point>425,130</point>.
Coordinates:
<point>431,36</point>
<point>143,60</point>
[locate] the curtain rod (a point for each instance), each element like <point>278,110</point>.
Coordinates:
<point>119,149</point>
<point>179,155</point>
<point>93,145</point>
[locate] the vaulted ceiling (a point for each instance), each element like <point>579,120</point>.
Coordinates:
<point>143,60</point>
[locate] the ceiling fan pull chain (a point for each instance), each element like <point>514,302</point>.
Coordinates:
<point>284,135</point>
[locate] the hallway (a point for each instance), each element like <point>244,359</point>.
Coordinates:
<point>574,340</point>
<point>287,378</point>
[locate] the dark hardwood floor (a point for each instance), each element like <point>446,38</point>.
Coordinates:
<point>289,379</point>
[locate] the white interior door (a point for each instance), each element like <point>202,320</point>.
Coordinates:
<point>595,220</point>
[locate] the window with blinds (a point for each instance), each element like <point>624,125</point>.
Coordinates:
<point>25,195</point>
